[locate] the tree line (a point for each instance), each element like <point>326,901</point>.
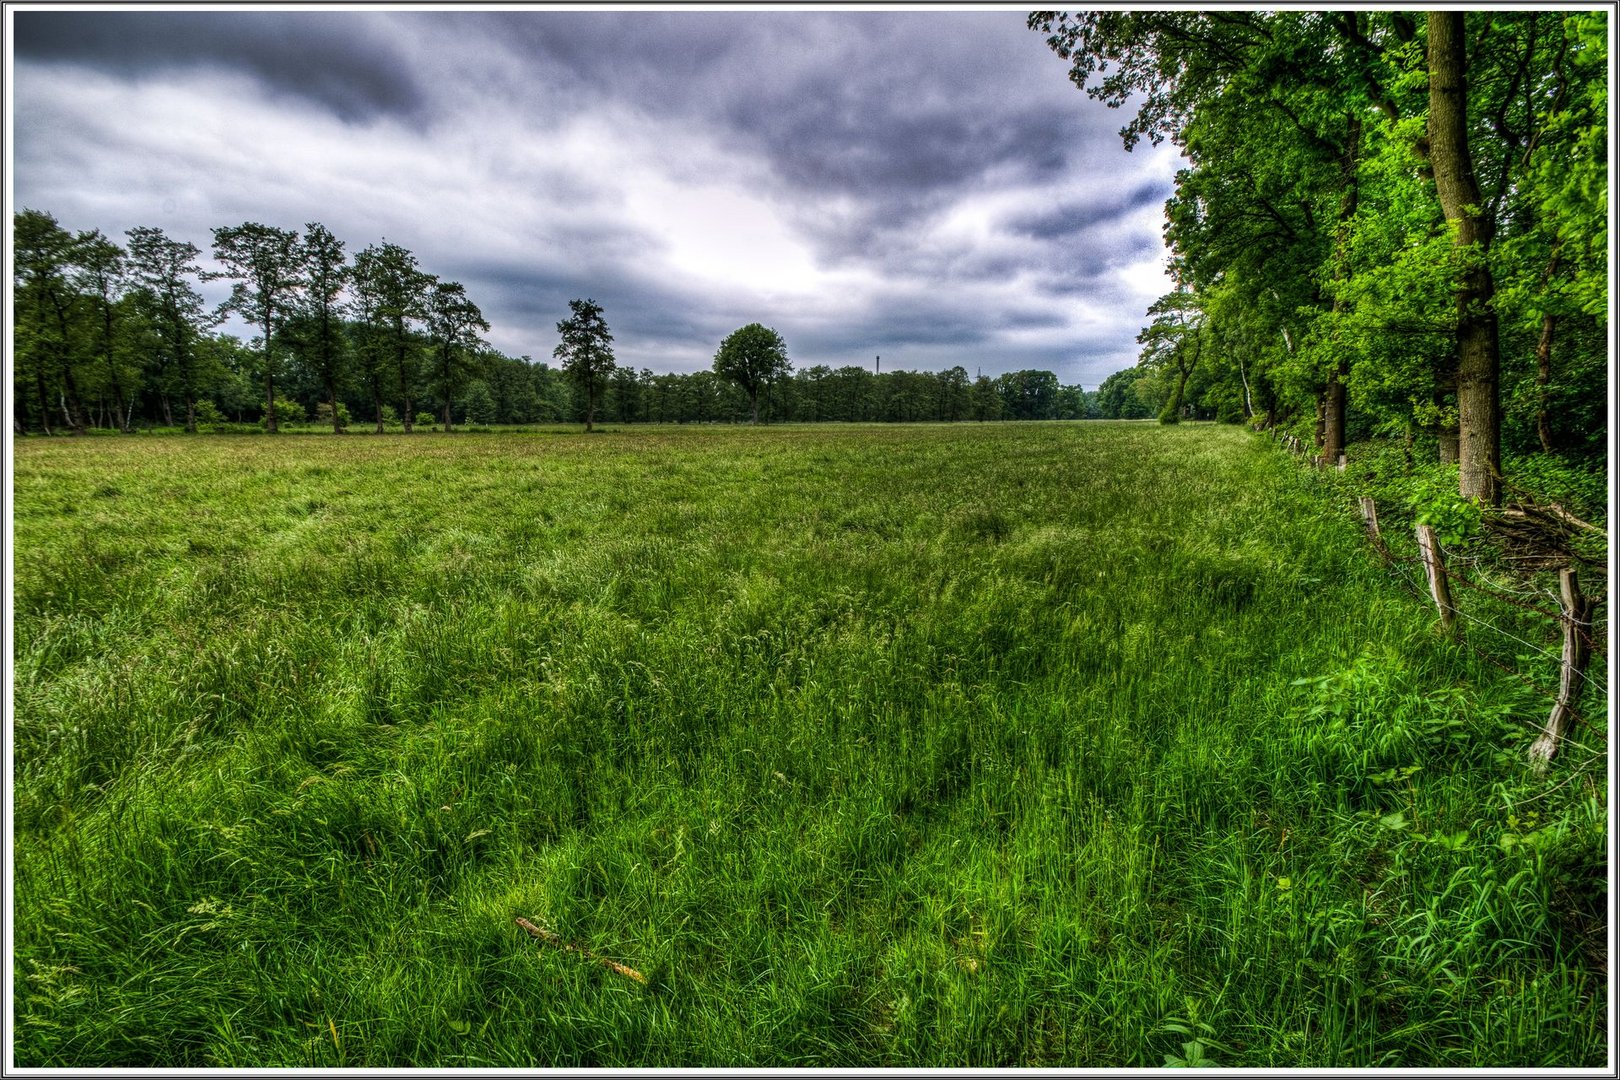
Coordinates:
<point>1389,223</point>
<point>118,336</point>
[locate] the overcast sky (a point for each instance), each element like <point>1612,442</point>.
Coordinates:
<point>923,185</point>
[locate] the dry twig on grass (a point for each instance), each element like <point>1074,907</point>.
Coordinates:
<point>552,939</point>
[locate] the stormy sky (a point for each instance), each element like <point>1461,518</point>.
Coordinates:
<point>922,185</point>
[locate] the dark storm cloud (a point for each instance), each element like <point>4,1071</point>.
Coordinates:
<point>916,184</point>
<point>1069,220</point>
<point>345,62</point>
<point>912,109</point>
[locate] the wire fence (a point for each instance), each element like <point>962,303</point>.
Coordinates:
<point>1512,619</point>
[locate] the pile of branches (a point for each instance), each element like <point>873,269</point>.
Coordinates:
<point>1546,536</point>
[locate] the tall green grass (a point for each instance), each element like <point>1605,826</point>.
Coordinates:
<point>995,745</point>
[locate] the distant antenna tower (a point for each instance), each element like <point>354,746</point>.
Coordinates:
<point>877,368</point>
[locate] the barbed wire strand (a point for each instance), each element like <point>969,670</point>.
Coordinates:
<point>1421,593</point>
<point>1585,630</point>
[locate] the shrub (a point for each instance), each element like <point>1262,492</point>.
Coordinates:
<point>206,412</point>
<point>425,419</point>
<point>287,412</point>
<point>323,414</point>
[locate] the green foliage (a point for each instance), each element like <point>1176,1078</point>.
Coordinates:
<point>286,412</point>
<point>208,413</point>
<point>1432,499</point>
<point>753,357</point>
<point>1308,229</point>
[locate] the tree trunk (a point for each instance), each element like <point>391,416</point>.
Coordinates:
<point>1181,393</point>
<point>1450,445</point>
<point>191,414</point>
<point>112,366</point>
<point>44,398</point>
<point>331,396</point>
<point>1337,399</point>
<point>1445,430</point>
<point>1478,349</point>
<point>1248,398</point>
<point>73,404</point>
<point>118,407</point>
<point>408,418</point>
<point>1543,377</point>
<point>269,385</point>
<point>753,400</point>
<point>1544,359</point>
<point>1333,414</point>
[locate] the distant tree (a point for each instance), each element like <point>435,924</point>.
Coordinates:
<point>910,396</point>
<point>100,269</point>
<point>752,356</point>
<point>265,263</point>
<point>1028,394</point>
<point>44,300</point>
<point>481,406</point>
<point>624,395</point>
<point>1173,343</point>
<point>986,401</point>
<point>453,323</point>
<point>234,387</point>
<point>325,272</point>
<point>512,388</point>
<point>586,352</point>
<point>852,394</point>
<point>1116,397</point>
<point>955,394</point>
<point>391,293</point>
<point>1071,403</point>
<point>162,270</point>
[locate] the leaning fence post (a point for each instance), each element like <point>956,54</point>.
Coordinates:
<point>1577,621</point>
<point>1434,562</point>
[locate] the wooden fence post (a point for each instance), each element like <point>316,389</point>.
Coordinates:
<point>1369,518</point>
<point>1434,562</point>
<point>1577,620</point>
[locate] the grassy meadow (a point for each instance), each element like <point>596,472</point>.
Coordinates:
<point>1084,745</point>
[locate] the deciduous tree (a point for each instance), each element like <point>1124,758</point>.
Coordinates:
<point>586,352</point>
<point>453,322</point>
<point>752,356</point>
<point>324,271</point>
<point>265,264</point>
<point>391,293</point>
<point>164,270</point>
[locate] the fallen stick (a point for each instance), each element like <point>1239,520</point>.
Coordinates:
<point>552,939</point>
